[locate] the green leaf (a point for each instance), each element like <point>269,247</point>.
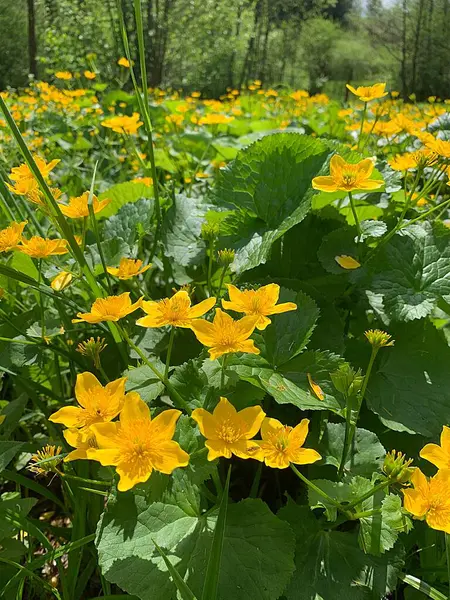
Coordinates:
<point>372,229</point>
<point>335,489</point>
<point>184,590</point>
<point>410,385</point>
<point>24,264</point>
<point>13,506</point>
<point>191,382</point>
<point>8,450</point>
<point>254,537</point>
<point>210,587</point>
<point>143,380</point>
<point>379,533</point>
<point>290,332</point>
<point>330,565</point>
<point>290,385</point>
<point>181,233</point>
<point>367,453</point>
<point>124,193</point>
<point>131,221</point>
<point>13,412</point>
<point>412,271</point>
<point>337,243</point>
<point>269,186</point>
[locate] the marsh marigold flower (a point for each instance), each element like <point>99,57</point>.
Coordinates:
<point>347,177</point>
<point>24,171</point>
<point>138,444</point>
<point>438,455</point>
<point>97,403</point>
<point>78,207</point>
<point>370,92</point>
<point>61,281</point>
<point>49,454</point>
<point>123,62</point>
<point>281,445</point>
<point>11,236</point>
<point>128,268</point>
<point>90,75</point>
<point>261,303</point>
<point>224,335</point>
<point>92,349</point>
<point>440,147</point>
<point>65,75</point>
<point>38,247</point>
<point>111,308</point>
<point>176,311</point>
<point>123,124</point>
<point>228,431</point>
<point>430,499</point>
<point>378,338</point>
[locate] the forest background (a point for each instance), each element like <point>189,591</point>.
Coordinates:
<point>212,45</point>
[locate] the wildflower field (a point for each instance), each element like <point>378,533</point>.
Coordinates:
<point>224,342</point>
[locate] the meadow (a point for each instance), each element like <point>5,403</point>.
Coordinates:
<point>224,342</point>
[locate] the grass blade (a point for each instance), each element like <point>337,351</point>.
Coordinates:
<point>423,587</point>
<point>185,592</point>
<point>215,558</point>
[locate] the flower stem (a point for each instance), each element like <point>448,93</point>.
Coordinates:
<point>211,259</point>
<point>222,277</point>
<point>362,125</point>
<point>179,401</point>
<point>41,299</point>
<point>355,216</point>
<point>169,352</point>
<point>328,498</point>
<point>369,494</point>
<point>222,375</point>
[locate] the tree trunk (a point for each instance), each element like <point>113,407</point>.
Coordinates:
<point>403,63</point>
<point>416,46</point>
<point>32,45</point>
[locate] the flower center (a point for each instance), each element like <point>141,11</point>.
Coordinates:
<point>349,178</point>
<point>228,432</point>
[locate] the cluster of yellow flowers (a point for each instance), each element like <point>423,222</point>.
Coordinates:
<point>223,335</point>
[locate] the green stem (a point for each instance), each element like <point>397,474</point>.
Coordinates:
<point>169,352</point>
<point>368,372</point>
<point>210,264</point>
<point>369,494</point>
<point>173,392</point>
<point>84,480</point>
<point>321,493</point>
<point>222,277</point>
<point>362,125</point>
<point>41,299</point>
<point>355,216</point>
<point>222,374</point>
<point>367,513</point>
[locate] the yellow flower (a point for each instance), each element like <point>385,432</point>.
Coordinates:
<point>128,268</point>
<point>90,75</point>
<point>347,177</point>
<point>81,440</point>
<point>24,172</point>
<point>49,454</point>
<point>11,236</point>
<point>228,431</point>
<point>176,311</point>
<point>403,162</point>
<point>215,119</point>
<point>148,181</point>
<point>38,247</point>
<point>378,338</point>
<point>224,335</point>
<point>66,75</point>
<point>97,404</point>
<point>439,455</point>
<point>440,147</point>
<point>61,281</point>
<point>281,445</point>
<point>123,124</point>
<point>111,308</point>
<point>138,444</point>
<point>124,62</point>
<point>78,207</point>
<point>261,303</point>
<point>347,262</point>
<point>430,499</point>
<point>368,93</point>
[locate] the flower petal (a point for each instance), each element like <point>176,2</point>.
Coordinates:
<point>106,434</point>
<point>414,502</point>
<point>169,457</point>
<point>252,418</point>
<point>204,331</point>
<point>324,183</point>
<point>436,455</point>
<point>365,168</point>
<point>163,425</point>
<point>445,439</point>
<point>297,435</point>
<point>245,327</point>
<point>247,449</point>
<point>70,416</point>
<point>217,448</point>
<point>283,307</point>
<point>134,408</point>
<point>225,411</point>
<point>201,308</point>
<point>131,474</point>
<point>106,457</point>
<point>205,421</point>
<point>85,387</point>
<point>304,456</point>
<point>270,428</point>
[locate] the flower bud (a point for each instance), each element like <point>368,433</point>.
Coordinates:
<point>397,467</point>
<point>92,348</point>
<point>210,231</point>
<point>61,281</point>
<point>378,339</point>
<point>346,380</point>
<point>225,257</point>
